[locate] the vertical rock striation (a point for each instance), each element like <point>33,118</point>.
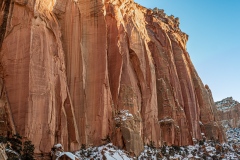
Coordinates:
<point>78,71</point>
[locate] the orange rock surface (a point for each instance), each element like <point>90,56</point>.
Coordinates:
<point>77,71</point>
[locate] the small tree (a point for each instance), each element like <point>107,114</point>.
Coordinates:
<point>201,142</point>
<point>15,145</point>
<point>83,147</point>
<point>28,151</point>
<point>171,151</point>
<point>176,148</point>
<point>164,150</point>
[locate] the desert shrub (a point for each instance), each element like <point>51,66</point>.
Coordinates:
<point>186,151</point>
<point>201,142</point>
<point>151,144</point>
<point>171,151</point>
<point>83,147</point>
<point>176,148</point>
<point>16,143</point>
<point>164,150</point>
<point>28,151</point>
<point>16,149</point>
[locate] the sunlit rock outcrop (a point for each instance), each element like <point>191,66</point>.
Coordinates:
<point>78,71</point>
<point>228,111</point>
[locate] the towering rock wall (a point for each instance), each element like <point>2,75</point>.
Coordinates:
<point>78,71</point>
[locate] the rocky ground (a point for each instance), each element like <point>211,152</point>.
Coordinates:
<point>207,150</point>
<point>226,104</point>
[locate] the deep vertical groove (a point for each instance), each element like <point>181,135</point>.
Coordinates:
<point>3,26</point>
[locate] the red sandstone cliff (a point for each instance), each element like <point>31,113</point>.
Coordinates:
<point>76,71</point>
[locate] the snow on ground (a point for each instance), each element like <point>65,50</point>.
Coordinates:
<point>226,104</point>
<point>207,150</point>
<point>68,154</point>
<point>108,151</point>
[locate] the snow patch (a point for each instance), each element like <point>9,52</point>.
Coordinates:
<point>123,115</point>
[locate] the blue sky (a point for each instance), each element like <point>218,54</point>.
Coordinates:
<point>213,27</point>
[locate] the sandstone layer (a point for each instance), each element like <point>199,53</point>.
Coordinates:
<point>78,71</point>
